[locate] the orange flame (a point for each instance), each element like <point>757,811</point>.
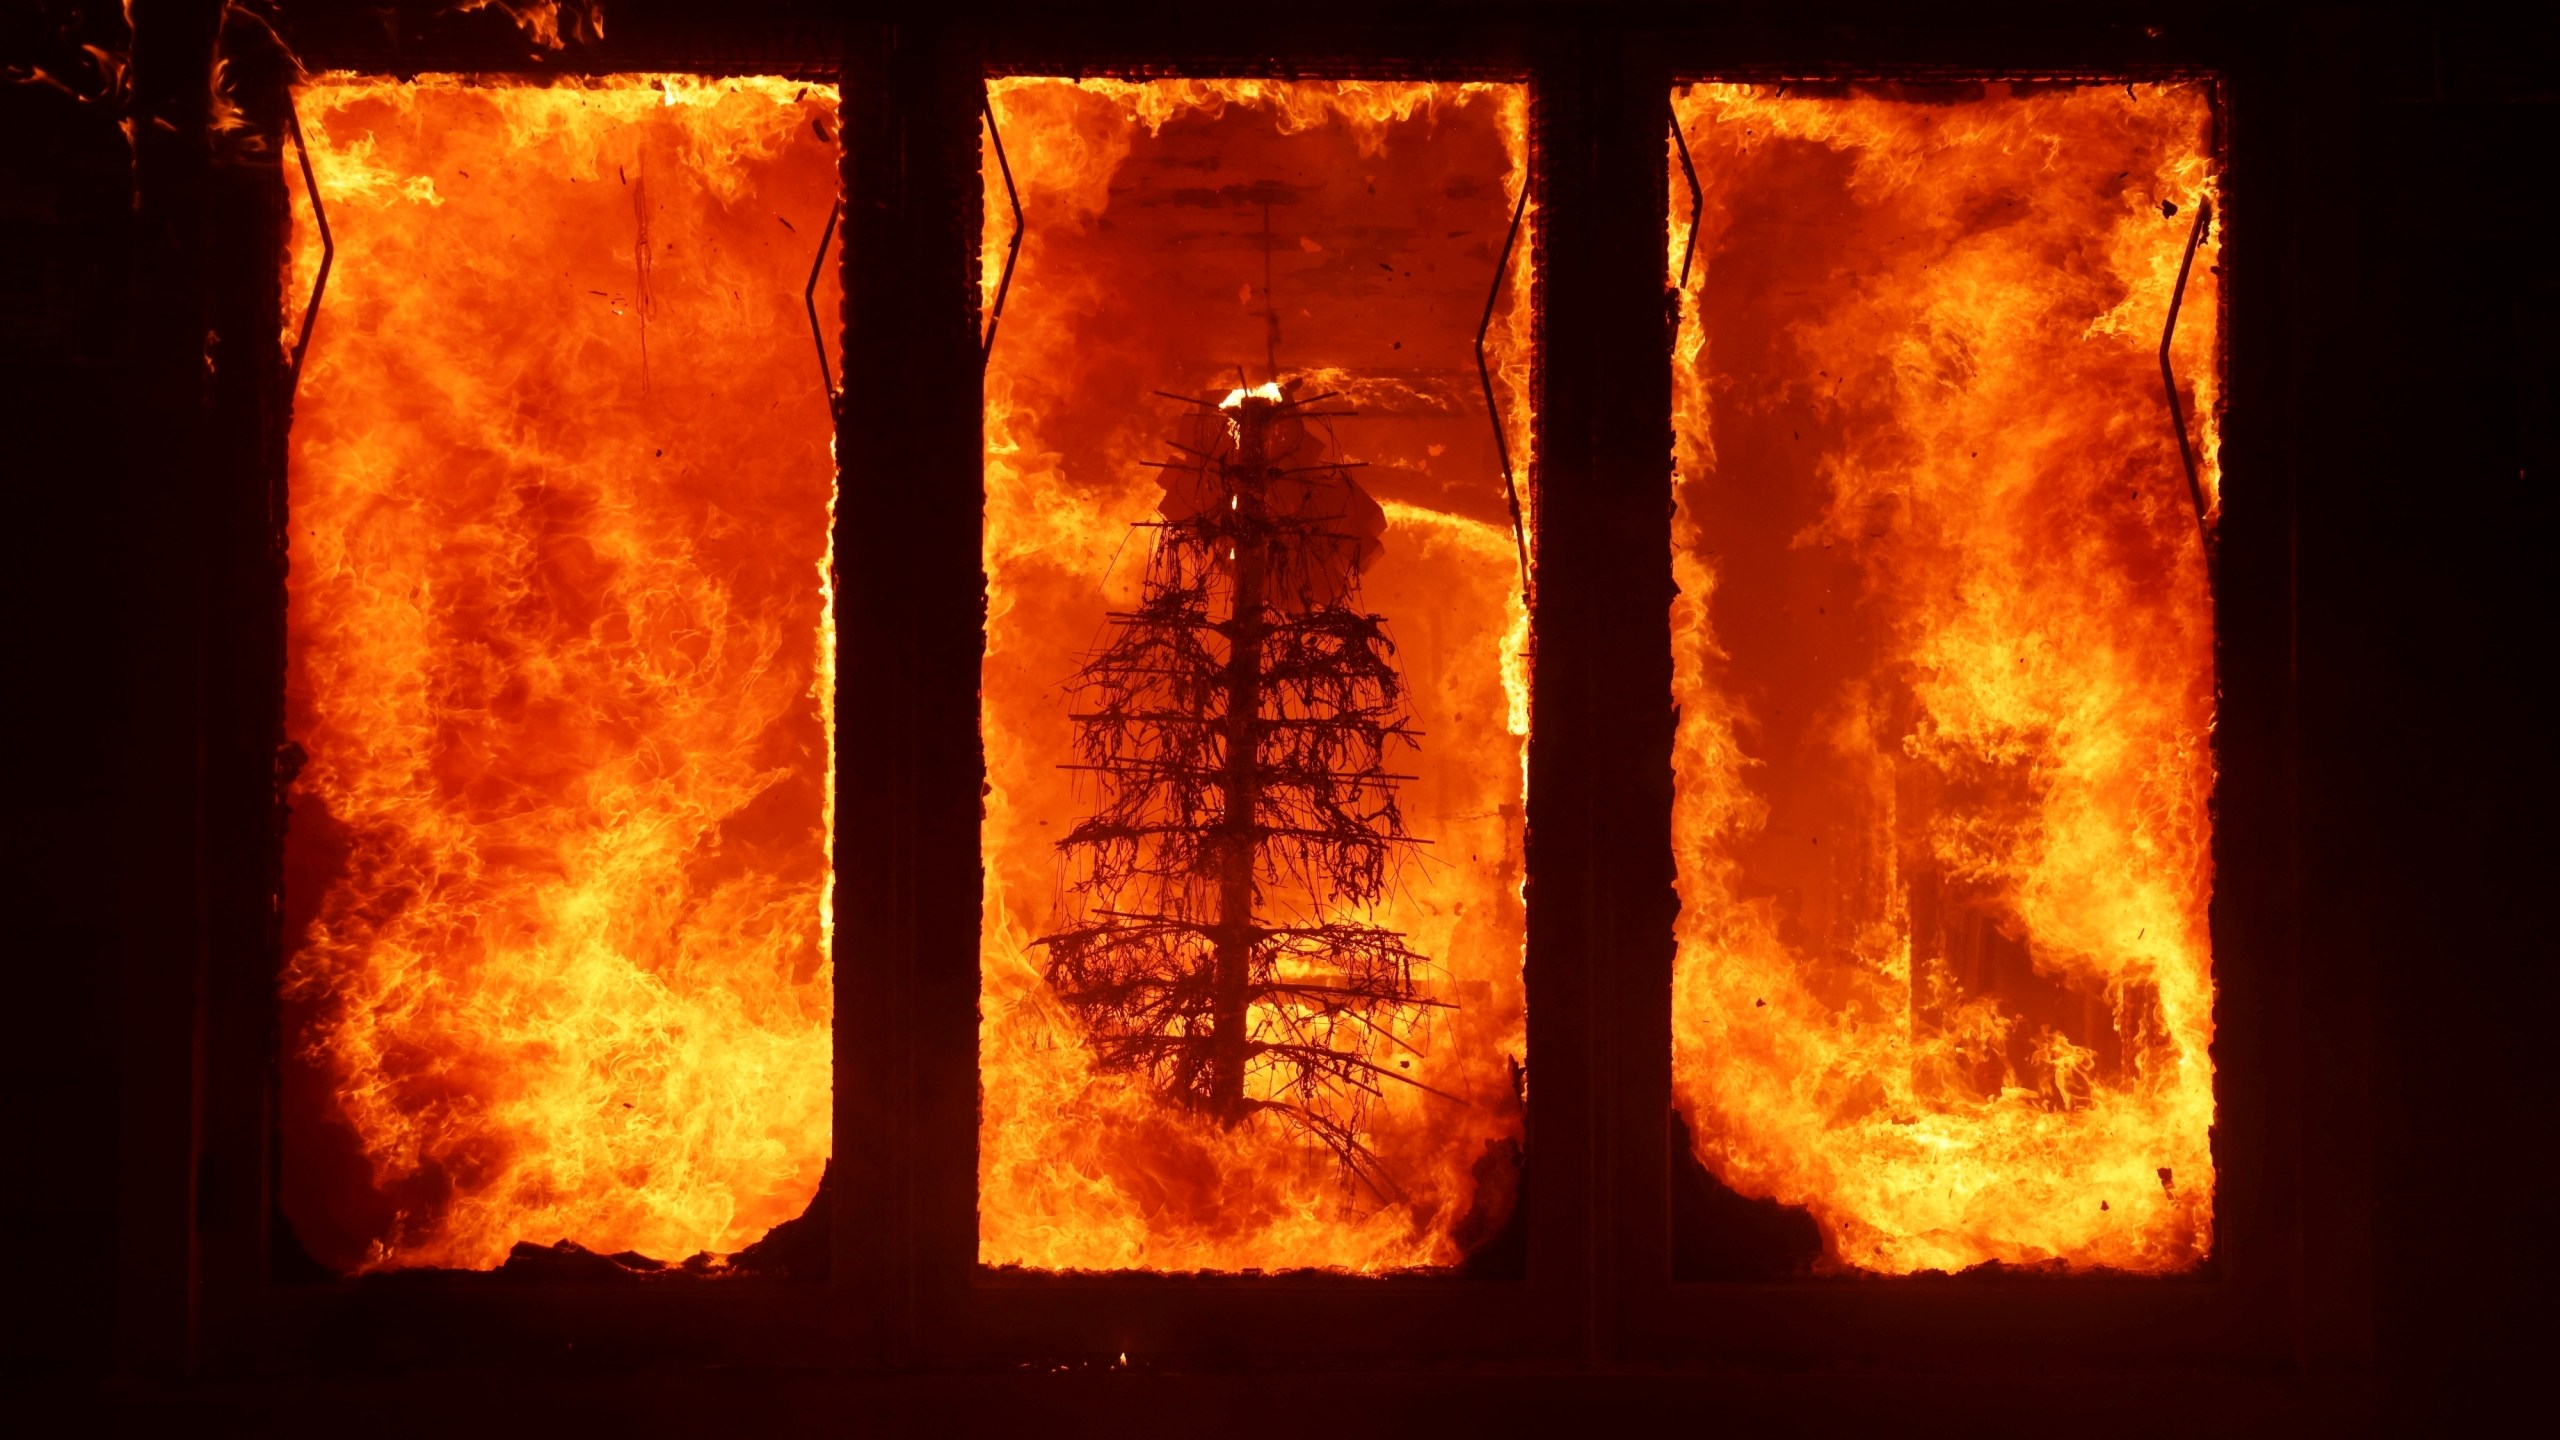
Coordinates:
<point>1944,656</point>
<point>561,653</point>
<point>1180,229</point>
<point>541,20</point>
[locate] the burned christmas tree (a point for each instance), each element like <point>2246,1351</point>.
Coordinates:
<point>1237,726</point>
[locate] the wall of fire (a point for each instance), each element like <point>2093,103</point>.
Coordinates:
<point>592,791</point>
<point>559,666</point>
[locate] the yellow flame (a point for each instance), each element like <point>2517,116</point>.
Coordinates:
<point>1084,1170</point>
<point>1972,384</point>
<point>559,493</point>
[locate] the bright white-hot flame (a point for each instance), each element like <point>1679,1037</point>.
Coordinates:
<point>1267,390</point>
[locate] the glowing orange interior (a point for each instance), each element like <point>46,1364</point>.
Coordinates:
<point>1945,668</point>
<point>560,653</point>
<point>1345,235</point>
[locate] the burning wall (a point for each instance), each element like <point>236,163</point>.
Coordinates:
<point>560,656</point>
<point>1945,668</point>
<point>1343,235</point>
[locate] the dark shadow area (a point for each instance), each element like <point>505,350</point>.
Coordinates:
<point>2427,767</point>
<point>1718,1234</point>
<point>1495,1230</point>
<point>66,220</point>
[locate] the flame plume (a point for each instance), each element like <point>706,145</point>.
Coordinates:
<point>1944,662</point>
<point>1352,229</point>
<point>560,653</point>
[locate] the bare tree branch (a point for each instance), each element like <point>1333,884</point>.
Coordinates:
<point>1234,731</point>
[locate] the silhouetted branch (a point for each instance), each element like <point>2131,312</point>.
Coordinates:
<point>1234,732</point>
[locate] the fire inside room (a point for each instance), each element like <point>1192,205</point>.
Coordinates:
<point>1287,280</point>
<point>558,660</point>
<point>1945,666</point>
<point>1560,715</point>
<point>560,836</point>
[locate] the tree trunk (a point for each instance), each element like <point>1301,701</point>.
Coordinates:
<point>1241,780</point>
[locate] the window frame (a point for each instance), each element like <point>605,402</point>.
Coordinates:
<point>904,1284</point>
<point>966,1312</point>
<point>2239,1305</point>
<point>247,1317</point>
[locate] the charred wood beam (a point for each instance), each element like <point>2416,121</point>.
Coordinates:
<point>166,591</point>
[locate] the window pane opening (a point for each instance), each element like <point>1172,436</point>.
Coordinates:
<point>560,677</point>
<point>1254,697</point>
<point>1945,674</point>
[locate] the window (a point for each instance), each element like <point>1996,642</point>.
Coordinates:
<point>1255,689</point>
<point>560,672</point>
<point>1945,669</point>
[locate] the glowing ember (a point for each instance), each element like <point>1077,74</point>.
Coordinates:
<point>1303,232</point>
<point>1945,670</point>
<point>560,654</point>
